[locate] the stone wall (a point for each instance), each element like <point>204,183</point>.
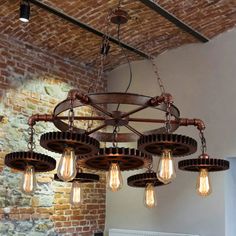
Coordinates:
<point>33,81</point>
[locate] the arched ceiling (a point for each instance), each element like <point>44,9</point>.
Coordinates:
<point>146,30</point>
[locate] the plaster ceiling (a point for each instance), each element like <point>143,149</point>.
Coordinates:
<point>146,30</point>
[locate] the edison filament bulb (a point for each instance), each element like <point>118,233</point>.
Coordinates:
<point>150,196</point>
<point>66,170</point>
<point>114,179</point>
<point>166,168</point>
<point>203,183</point>
<point>76,195</point>
<point>28,180</point>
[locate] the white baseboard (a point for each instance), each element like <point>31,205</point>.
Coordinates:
<point>123,232</point>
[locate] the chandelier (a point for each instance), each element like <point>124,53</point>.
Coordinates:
<point>81,149</point>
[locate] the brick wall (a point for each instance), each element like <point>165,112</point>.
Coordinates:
<point>145,30</point>
<point>33,81</point>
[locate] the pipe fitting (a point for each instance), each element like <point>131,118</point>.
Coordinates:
<point>74,94</point>
<point>37,117</point>
<point>195,122</point>
<point>165,97</point>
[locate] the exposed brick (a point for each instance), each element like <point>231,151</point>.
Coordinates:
<point>29,64</point>
<point>145,30</point>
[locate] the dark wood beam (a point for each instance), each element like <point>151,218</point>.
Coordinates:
<point>169,16</point>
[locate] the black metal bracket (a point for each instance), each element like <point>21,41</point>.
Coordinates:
<point>170,17</point>
<point>82,25</point>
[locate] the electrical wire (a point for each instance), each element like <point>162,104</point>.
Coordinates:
<point>129,64</point>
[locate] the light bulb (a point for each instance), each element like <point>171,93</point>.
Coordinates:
<point>76,195</point>
<point>166,168</point>
<point>150,200</point>
<point>203,183</point>
<point>114,180</point>
<point>28,180</point>
<point>66,170</point>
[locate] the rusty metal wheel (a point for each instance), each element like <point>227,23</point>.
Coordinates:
<point>82,178</point>
<point>58,141</point>
<point>98,100</point>
<point>179,145</point>
<point>128,159</point>
<point>40,162</point>
<point>211,164</point>
<point>141,180</point>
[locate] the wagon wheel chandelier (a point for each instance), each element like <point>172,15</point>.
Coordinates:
<point>80,148</point>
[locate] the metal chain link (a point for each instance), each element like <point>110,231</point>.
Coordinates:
<point>168,117</point>
<point>150,167</point>
<point>203,142</point>
<point>115,134</point>
<point>151,59</point>
<point>90,122</point>
<point>104,49</point>
<point>159,80</point>
<point>71,116</point>
<point>31,142</point>
<point>99,79</point>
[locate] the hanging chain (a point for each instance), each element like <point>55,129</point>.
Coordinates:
<point>168,117</point>
<point>71,116</point>
<point>159,80</point>
<point>100,72</point>
<point>31,142</point>
<point>104,49</point>
<point>115,136</point>
<point>151,58</point>
<point>150,166</point>
<point>203,142</point>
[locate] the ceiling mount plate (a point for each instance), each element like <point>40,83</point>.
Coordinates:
<point>119,17</point>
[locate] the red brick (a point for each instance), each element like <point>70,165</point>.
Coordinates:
<point>35,63</point>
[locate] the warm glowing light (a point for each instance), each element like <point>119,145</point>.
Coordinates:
<point>114,179</point>
<point>150,196</point>
<point>203,183</point>
<point>76,195</point>
<point>166,168</point>
<point>66,170</point>
<point>29,180</point>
